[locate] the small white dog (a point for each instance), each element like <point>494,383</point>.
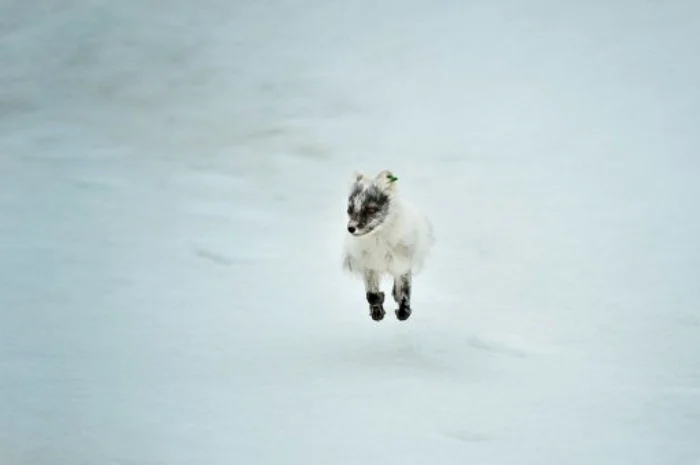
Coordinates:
<point>386,237</point>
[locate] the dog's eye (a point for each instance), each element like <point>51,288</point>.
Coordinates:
<point>350,210</point>
<point>371,210</point>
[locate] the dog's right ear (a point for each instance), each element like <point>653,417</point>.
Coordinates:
<point>357,177</point>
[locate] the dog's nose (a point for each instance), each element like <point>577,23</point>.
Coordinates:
<point>351,229</point>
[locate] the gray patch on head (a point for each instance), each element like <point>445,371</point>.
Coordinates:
<point>367,205</point>
<point>356,190</point>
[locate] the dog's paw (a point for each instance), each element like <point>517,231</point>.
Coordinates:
<point>377,312</point>
<point>403,312</point>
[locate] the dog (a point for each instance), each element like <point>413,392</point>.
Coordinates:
<point>386,236</point>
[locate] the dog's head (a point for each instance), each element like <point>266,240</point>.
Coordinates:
<point>369,202</point>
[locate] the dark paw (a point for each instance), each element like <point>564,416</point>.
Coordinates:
<point>403,312</point>
<point>375,298</point>
<point>377,312</point>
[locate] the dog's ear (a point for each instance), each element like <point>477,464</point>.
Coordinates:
<point>356,177</point>
<point>386,180</point>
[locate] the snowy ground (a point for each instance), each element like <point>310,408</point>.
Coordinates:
<point>172,205</point>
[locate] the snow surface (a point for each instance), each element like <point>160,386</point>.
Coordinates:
<point>172,196</point>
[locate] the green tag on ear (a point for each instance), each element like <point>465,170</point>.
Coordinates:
<point>392,178</point>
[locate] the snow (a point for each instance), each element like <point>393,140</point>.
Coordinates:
<point>172,201</point>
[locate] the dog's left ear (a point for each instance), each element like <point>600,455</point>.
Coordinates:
<point>386,180</point>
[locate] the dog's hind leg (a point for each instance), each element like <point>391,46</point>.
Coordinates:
<point>375,298</point>
<point>402,295</point>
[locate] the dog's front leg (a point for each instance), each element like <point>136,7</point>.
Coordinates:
<point>375,298</point>
<point>402,295</point>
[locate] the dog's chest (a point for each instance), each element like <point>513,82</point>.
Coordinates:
<point>384,256</point>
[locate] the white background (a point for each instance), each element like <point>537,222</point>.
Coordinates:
<point>172,193</point>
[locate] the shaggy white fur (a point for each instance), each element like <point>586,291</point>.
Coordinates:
<point>400,244</point>
<point>386,236</point>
